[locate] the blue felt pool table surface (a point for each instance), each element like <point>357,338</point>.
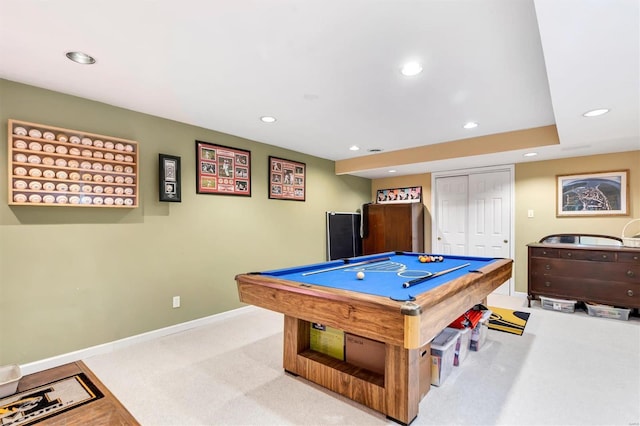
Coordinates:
<point>383,277</point>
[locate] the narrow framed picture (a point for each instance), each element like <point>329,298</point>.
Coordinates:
<point>399,195</point>
<point>593,194</point>
<point>169,184</point>
<point>222,170</point>
<point>287,179</point>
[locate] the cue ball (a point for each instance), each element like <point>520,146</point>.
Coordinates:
<point>360,275</point>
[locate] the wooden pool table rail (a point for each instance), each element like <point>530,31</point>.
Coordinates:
<point>369,316</point>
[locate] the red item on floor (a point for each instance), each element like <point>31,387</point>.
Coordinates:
<point>469,319</point>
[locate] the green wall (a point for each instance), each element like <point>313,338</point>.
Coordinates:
<point>71,278</point>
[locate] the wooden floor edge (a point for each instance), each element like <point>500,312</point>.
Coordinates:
<point>107,393</point>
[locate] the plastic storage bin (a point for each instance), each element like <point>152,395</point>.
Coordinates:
<point>462,346</point>
<point>606,311</point>
<point>442,353</point>
<point>561,305</point>
<point>10,375</point>
<point>479,332</point>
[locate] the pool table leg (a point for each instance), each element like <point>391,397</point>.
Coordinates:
<point>296,339</point>
<point>402,383</point>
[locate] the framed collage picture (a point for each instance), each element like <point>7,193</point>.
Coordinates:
<point>399,195</point>
<point>169,185</point>
<point>222,170</point>
<point>287,179</point>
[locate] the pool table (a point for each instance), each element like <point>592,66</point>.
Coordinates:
<point>401,302</point>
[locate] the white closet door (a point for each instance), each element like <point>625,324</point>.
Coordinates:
<point>451,214</point>
<point>490,217</point>
<point>473,215</point>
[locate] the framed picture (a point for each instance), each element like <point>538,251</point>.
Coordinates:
<point>169,172</point>
<point>222,170</point>
<point>287,179</point>
<point>593,194</point>
<point>399,195</point>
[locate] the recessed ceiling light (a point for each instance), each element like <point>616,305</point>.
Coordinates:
<point>392,171</point>
<point>81,58</point>
<point>267,119</point>
<point>530,154</point>
<point>596,112</point>
<point>411,68</point>
<point>470,125</point>
<point>354,148</point>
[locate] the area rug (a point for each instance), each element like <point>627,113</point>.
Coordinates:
<point>35,405</point>
<point>508,320</point>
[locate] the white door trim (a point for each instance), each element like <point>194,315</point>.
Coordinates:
<point>508,167</point>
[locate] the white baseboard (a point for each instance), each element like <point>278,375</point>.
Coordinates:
<point>56,361</point>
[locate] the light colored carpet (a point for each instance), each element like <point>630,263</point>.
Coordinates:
<point>566,369</point>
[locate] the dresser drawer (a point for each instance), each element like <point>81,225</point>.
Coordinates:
<point>593,255</point>
<point>581,269</point>
<point>543,252</point>
<point>610,293</point>
<point>629,257</point>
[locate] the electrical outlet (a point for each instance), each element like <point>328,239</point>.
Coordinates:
<point>176,301</point>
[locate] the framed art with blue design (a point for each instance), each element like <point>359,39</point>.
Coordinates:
<point>593,194</point>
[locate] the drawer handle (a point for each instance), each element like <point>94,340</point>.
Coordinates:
<point>548,284</point>
<point>604,256</point>
<point>547,267</point>
<point>544,252</point>
<point>569,254</point>
<point>630,274</point>
<point>630,293</point>
<point>636,257</point>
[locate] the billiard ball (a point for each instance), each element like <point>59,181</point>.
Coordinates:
<point>360,275</point>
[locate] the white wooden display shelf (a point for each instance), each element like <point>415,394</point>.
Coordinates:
<point>53,166</point>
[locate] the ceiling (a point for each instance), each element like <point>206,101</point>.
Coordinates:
<point>329,70</point>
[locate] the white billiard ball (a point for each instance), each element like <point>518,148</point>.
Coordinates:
<point>360,275</point>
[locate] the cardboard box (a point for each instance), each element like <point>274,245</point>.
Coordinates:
<point>327,340</point>
<point>462,346</point>
<point>479,332</point>
<point>365,353</point>
<point>442,353</point>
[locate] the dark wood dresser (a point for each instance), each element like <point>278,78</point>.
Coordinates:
<point>604,274</point>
